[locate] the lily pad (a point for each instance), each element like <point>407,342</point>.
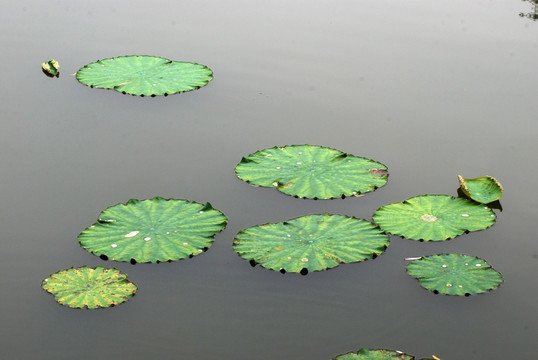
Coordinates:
<point>51,68</point>
<point>90,288</point>
<point>144,75</point>
<point>454,274</point>
<point>153,230</point>
<point>377,354</point>
<point>484,189</point>
<point>313,172</point>
<point>433,217</point>
<point>310,243</point>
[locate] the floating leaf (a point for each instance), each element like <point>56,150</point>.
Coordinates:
<point>433,217</point>
<point>153,230</point>
<point>51,68</point>
<point>90,288</point>
<point>144,75</point>
<point>454,274</point>
<point>483,189</point>
<point>312,172</point>
<point>310,243</point>
<point>377,354</point>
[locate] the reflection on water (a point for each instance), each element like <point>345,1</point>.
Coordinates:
<point>534,13</point>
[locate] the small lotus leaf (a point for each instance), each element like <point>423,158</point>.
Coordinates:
<point>433,217</point>
<point>377,354</point>
<point>454,274</point>
<point>313,172</point>
<point>51,68</point>
<point>90,288</point>
<point>483,189</point>
<point>144,75</point>
<point>153,230</point>
<point>310,243</point>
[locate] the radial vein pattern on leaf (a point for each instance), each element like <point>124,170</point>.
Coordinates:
<point>433,217</point>
<point>454,274</point>
<point>88,287</point>
<point>310,171</point>
<point>144,75</point>
<point>153,230</point>
<point>312,242</point>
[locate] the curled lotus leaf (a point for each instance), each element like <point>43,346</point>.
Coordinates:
<point>433,217</point>
<point>376,354</point>
<point>89,288</point>
<point>51,68</point>
<point>310,243</point>
<point>153,230</point>
<point>144,75</point>
<point>311,171</point>
<point>454,274</point>
<point>484,189</point>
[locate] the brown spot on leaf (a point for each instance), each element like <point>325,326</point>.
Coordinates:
<point>379,172</point>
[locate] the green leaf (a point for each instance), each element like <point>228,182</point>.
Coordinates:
<point>144,75</point>
<point>313,172</point>
<point>485,189</point>
<point>51,68</point>
<point>454,274</point>
<point>153,230</point>
<point>377,354</point>
<point>310,243</point>
<point>90,288</point>
<point>433,217</point>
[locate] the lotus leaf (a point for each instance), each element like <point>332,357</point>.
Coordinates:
<point>51,68</point>
<point>433,217</point>
<point>454,274</point>
<point>144,75</point>
<point>90,288</point>
<point>310,243</point>
<point>153,230</point>
<point>313,172</point>
<point>377,354</point>
<point>483,189</point>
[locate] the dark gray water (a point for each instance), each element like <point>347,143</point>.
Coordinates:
<point>431,89</point>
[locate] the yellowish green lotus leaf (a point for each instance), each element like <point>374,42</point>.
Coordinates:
<point>89,288</point>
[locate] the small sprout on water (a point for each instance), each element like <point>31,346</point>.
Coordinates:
<point>51,68</point>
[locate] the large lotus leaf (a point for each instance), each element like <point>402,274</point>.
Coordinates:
<point>310,243</point>
<point>153,230</point>
<point>377,354</point>
<point>454,274</point>
<point>483,189</point>
<point>90,288</point>
<point>144,75</point>
<point>433,217</point>
<point>312,172</point>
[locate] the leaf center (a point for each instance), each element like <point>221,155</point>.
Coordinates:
<point>428,218</point>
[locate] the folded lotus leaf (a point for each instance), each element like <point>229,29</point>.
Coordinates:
<point>310,243</point>
<point>144,75</point>
<point>454,274</point>
<point>51,68</point>
<point>89,288</point>
<point>433,217</point>
<point>153,230</point>
<point>484,189</point>
<point>313,172</point>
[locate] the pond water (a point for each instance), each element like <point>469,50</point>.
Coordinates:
<point>431,89</point>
